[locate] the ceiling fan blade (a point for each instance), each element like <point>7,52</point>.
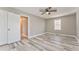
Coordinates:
<point>53,11</point>
<point>49,8</point>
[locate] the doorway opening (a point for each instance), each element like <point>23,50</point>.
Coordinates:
<point>24,27</point>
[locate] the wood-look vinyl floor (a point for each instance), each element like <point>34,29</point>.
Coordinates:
<point>45,42</point>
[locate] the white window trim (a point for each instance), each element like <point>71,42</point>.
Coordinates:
<point>57,24</point>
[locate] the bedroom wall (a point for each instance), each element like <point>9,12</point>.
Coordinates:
<point>36,25</point>
<point>68,25</point>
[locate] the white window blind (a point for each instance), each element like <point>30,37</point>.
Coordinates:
<point>57,24</point>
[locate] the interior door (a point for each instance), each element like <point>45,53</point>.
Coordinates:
<point>13,28</point>
<point>3,27</point>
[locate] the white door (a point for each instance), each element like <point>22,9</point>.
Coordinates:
<point>13,28</point>
<point>3,27</point>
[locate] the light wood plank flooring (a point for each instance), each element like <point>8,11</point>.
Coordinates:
<point>45,42</point>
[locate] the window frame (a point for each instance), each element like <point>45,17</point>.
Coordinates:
<point>57,24</point>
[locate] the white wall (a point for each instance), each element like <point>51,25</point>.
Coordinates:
<point>37,26</point>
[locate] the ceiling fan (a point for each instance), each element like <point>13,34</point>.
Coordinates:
<point>47,10</point>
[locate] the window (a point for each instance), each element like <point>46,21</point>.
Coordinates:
<point>57,24</point>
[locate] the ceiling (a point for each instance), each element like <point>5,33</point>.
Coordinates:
<point>35,11</point>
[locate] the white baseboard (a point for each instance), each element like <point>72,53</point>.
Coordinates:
<point>61,34</point>
<point>36,35</point>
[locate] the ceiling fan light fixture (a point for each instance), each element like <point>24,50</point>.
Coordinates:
<point>48,11</point>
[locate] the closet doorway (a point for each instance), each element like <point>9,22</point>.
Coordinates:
<point>24,27</point>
